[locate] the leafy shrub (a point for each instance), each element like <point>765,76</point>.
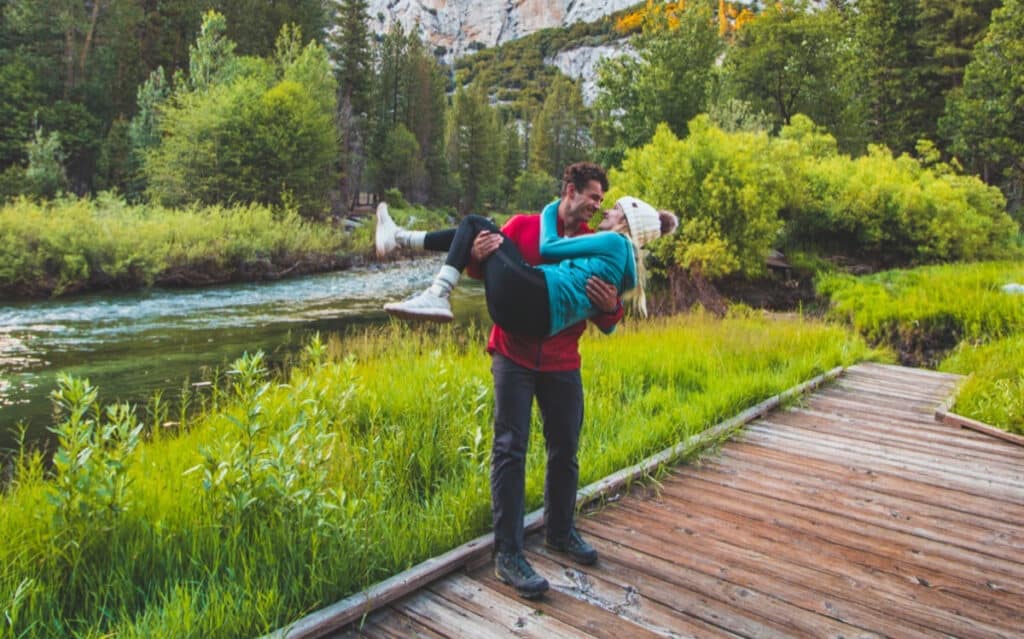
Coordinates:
<point>739,194</point>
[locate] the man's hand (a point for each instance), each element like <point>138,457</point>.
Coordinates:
<point>485,244</point>
<point>602,295</point>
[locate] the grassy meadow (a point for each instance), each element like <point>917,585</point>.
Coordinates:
<point>285,494</point>
<point>73,245</point>
<point>955,317</point>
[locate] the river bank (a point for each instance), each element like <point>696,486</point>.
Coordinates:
<point>135,345</point>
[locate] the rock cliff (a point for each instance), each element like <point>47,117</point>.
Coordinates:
<point>459,26</point>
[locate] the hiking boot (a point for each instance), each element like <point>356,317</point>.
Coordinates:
<point>513,569</point>
<point>428,305</point>
<point>580,551</point>
<point>386,235</point>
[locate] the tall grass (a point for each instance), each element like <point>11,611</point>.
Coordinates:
<point>369,456</point>
<point>994,392</point>
<point>73,244</point>
<point>960,315</point>
<point>964,299</point>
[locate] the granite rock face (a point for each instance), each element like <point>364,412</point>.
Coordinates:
<point>460,26</point>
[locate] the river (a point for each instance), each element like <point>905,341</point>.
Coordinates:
<point>133,345</point>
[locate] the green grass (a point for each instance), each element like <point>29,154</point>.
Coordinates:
<point>994,392</point>
<point>958,317</point>
<point>78,244</point>
<point>962,299</point>
<point>372,455</point>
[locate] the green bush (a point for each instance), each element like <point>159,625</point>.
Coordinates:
<point>723,186</point>
<point>994,392</point>
<point>740,194</point>
<point>252,131</point>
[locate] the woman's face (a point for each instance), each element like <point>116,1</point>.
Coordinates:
<point>613,218</point>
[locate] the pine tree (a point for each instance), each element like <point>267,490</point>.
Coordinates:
<point>888,98</point>
<point>560,129</point>
<point>984,119</point>
<point>473,142</point>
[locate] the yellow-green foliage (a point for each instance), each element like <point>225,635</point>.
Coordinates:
<point>963,298</point>
<point>994,393</point>
<point>289,494</point>
<point>959,305</point>
<point>74,243</point>
<point>724,188</point>
<point>740,194</point>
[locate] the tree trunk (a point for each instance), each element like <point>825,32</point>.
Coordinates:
<point>88,37</point>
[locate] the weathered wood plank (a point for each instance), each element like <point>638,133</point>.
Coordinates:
<point>920,373</point>
<point>604,610</point>
<point>980,427</point>
<point>619,539</point>
<point>501,609</point>
<point>977,570</point>
<point>970,589</point>
<point>440,615</point>
<point>717,601</point>
<point>895,446</point>
<point>973,481</point>
<point>985,447</point>
<point>831,583</point>
<point>851,500</point>
<point>871,479</point>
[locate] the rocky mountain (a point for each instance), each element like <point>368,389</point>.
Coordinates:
<point>455,27</point>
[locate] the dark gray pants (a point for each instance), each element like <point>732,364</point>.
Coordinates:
<point>560,399</point>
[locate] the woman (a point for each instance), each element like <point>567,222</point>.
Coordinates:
<point>536,301</point>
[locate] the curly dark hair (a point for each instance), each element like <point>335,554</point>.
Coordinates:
<point>581,173</point>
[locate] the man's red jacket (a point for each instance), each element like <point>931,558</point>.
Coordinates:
<point>561,351</point>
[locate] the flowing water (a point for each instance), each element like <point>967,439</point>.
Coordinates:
<point>131,346</point>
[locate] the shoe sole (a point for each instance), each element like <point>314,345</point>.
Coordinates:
<point>406,315</point>
<point>521,593</point>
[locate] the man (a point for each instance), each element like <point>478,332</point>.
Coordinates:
<point>547,370</point>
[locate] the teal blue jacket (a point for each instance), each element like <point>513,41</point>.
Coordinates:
<point>607,255</point>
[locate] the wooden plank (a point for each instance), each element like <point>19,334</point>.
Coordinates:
<point>938,391</point>
<point>506,611</point>
<point>905,371</point>
<point>901,445</point>
<point>866,478</point>
<point>980,427</point>
<point>743,610</point>
<point>839,496</point>
<point>440,615</point>
<point>971,584</point>
<point>832,585</point>
<point>841,529</point>
<point>922,423</point>
<point>606,611</point>
<point>981,446</point>
<point>387,623</point>
<point>891,393</point>
<point>818,553</point>
<point>967,481</point>
<point>623,541</point>
<point>892,408</point>
<point>970,562</point>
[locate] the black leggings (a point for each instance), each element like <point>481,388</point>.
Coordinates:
<point>517,293</point>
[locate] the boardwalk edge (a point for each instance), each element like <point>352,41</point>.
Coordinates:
<point>345,611</point>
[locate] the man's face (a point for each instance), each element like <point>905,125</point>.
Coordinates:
<point>582,204</point>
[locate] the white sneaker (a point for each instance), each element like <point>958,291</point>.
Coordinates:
<point>386,236</point>
<point>428,305</point>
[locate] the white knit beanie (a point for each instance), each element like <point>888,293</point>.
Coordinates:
<point>644,222</point>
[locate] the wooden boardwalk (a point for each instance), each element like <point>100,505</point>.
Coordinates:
<point>852,514</point>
